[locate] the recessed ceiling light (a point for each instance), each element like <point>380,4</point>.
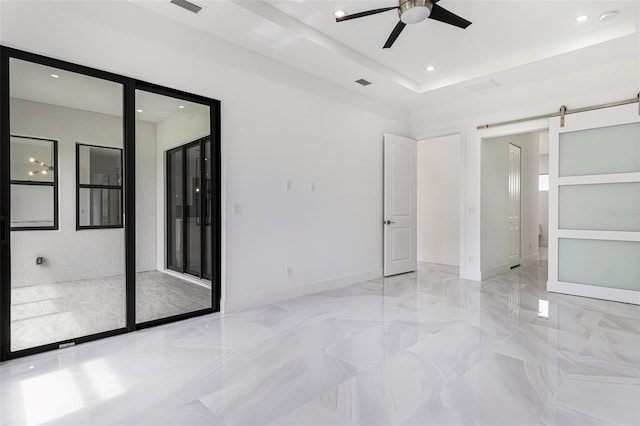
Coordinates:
<point>339,13</point>
<point>608,15</point>
<point>55,76</point>
<point>139,110</point>
<point>582,18</point>
<point>181,106</point>
<point>430,68</point>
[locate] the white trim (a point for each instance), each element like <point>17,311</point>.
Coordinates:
<point>494,272</point>
<point>599,235</point>
<point>599,179</point>
<point>596,292</point>
<point>441,260</point>
<point>532,258</point>
<point>186,277</point>
<point>229,305</point>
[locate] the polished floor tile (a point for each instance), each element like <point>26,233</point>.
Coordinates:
<point>425,348</point>
<point>48,313</point>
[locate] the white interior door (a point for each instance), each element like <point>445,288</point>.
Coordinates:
<point>514,205</point>
<point>400,207</point>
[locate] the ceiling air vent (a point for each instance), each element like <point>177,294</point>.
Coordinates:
<point>483,85</point>
<point>363,82</point>
<point>191,7</point>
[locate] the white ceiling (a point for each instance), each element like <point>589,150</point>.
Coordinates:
<point>35,82</point>
<point>512,42</point>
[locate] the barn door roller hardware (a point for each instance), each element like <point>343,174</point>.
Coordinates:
<point>564,111</point>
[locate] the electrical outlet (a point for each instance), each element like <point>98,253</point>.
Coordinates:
<point>313,187</point>
<point>470,259</point>
<point>39,260</point>
<point>236,209</point>
<point>289,271</point>
<point>288,185</point>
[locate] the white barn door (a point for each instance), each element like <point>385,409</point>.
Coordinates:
<point>400,207</point>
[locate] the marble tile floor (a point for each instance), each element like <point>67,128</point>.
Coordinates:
<point>48,313</point>
<point>424,348</point>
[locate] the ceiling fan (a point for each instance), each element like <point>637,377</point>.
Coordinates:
<point>412,12</point>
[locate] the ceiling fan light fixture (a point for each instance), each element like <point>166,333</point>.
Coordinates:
<point>414,11</point>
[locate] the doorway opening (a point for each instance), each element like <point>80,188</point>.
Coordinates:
<point>438,200</point>
<point>189,209</point>
<point>514,208</point>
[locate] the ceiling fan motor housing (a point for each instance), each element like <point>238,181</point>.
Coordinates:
<point>414,11</point>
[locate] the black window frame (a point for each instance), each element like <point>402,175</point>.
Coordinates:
<point>80,186</point>
<point>53,184</point>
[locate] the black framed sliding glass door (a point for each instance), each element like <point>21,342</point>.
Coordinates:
<point>189,208</point>
<point>83,242</point>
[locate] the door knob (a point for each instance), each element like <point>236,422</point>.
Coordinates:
<point>387,222</point>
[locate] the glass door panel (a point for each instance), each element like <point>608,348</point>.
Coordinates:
<point>66,283</point>
<point>169,280</point>
<point>208,195</point>
<point>175,255</point>
<point>193,211</point>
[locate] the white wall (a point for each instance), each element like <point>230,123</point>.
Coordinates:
<point>147,233</point>
<point>495,201</point>
<point>70,254</point>
<point>439,200</point>
<point>277,124</point>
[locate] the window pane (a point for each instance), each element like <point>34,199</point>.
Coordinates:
<point>100,165</point>
<point>32,206</point>
<point>100,207</point>
<point>614,149</point>
<point>601,207</point>
<point>32,159</point>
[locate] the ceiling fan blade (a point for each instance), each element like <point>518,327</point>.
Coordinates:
<point>443,15</point>
<point>367,13</point>
<point>394,34</point>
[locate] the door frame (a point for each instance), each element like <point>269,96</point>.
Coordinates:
<point>129,87</point>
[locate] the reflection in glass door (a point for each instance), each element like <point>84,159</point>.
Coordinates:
<point>189,209</point>
<point>67,283</point>
<point>174,207</point>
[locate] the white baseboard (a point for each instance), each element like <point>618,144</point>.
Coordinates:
<point>229,305</point>
<point>595,292</point>
<point>532,258</point>
<point>441,260</point>
<point>494,272</point>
